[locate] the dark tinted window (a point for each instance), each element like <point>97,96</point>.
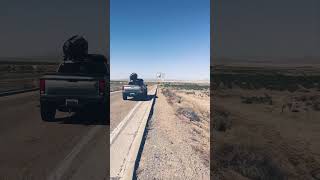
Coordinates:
<point>83,68</point>
<point>141,83</point>
<point>138,82</point>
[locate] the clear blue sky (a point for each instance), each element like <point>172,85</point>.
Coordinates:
<point>273,28</point>
<point>169,36</point>
<point>40,27</point>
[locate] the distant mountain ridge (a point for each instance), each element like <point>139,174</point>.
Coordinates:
<point>307,60</point>
<point>32,59</point>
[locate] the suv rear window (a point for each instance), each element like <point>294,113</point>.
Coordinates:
<point>83,68</point>
<point>138,82</point>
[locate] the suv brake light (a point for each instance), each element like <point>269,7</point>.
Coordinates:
<point>42,86</point>
<point>102,86</point>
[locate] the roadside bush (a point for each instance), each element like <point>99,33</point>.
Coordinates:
<point>192,92</point>
<point>171,96</point>
<point>249,162</point>
<point>186,86</point>
<point>269,80</point>
<point>221,120</point>
<point>257,99</point>
<point>316,106</point>
<point>188,113</point>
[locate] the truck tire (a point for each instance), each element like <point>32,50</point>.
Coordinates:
<point>124,97</point>
<point>48,112</point>
<point>145,95</point>
<point>103,114</point>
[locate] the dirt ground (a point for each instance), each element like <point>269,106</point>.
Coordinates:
<point>177,140</point>
<point>23,75</point>
<point>116,85</point>
<point>266,134</point>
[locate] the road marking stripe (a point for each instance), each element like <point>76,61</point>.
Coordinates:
<point>120,126</point>
<point>128,158</point>
<point>66,162</point>
<point>113,92</point>
<point>8,93</point>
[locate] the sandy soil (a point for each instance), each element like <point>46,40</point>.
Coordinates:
<point>266,138</point>
<point>116,85</point>
<point>177,143</point>
<point>20,76</point>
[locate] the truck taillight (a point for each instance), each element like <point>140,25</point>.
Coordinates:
<point>42,86</point>
<point>102,86</point>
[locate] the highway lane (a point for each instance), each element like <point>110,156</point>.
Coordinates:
<point>119,108</point>
<point>33,149</point>
<point>126,138</point>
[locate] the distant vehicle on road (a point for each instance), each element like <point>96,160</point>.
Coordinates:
<point>136,88</point>
<point>77,85</point>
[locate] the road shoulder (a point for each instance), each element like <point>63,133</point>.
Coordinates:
<point>170,149</point>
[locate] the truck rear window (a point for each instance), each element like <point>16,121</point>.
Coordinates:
<point>83,68</point>
<point>138,82</point>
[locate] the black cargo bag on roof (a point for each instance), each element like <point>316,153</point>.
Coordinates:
<point>75,48</point>
<point>133,76</point>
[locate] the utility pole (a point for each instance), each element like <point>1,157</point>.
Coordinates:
<point>160,77</point>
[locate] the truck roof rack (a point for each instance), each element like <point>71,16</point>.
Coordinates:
<point>89,58</point>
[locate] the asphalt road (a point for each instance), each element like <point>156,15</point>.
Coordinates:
<point>73,147</point>
<point>119,108</point>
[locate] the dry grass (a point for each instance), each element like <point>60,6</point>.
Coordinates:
<point>171,96</point>
<point>194,113</point>
<point>257,99</point>
<point>247,161</point>
<point>117,85</point>
<point>178,145</point>
<point>188,113</point>
<point>23,75</point>
<point>265,124</point>
<point>222,120</point>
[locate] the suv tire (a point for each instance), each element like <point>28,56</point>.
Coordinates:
<point>48,112</point>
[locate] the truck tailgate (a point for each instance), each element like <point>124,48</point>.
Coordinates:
<point>71,86</point>
<point>131,88</point>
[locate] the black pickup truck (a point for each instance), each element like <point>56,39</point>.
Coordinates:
<point>75,87</point>
<point>135,88</point>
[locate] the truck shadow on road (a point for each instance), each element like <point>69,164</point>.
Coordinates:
<point>82,118</point>
<point>149,98</point>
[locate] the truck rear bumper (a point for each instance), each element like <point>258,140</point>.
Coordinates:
<point>132,94</point>
<point>60,102</point>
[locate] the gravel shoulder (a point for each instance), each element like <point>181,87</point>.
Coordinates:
<point>176,146</point>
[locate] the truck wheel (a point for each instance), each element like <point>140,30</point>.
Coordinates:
<point>48,113</point>
<point>124,97</point>
<point>146,95</point>
<point>103,115</point>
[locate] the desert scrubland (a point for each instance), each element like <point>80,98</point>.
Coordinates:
<point>265,122</point>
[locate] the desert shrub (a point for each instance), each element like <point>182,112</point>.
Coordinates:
<point>221,120</point>
<point>257,99</point>
<point>171,96</point>
<point>188,113</point>
<point>271,81</point>
<point>312,101</point>
<point>249,162</point>
<point>186,86</point>
<point>188,92</point>
<point>316,106</point>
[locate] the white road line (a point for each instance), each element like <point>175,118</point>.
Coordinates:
<point>66,162</point>
<point>113,92</point>
<point>120,126</point>
<point>124,152</point>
